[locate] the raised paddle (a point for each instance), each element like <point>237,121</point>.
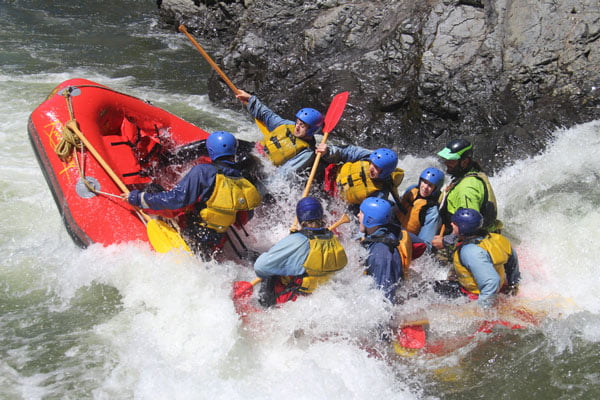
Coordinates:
<point>183,29</point>
<point>163,238</point>
<point>242,289</point>
<point>332,117</point>
<point>236,91</point>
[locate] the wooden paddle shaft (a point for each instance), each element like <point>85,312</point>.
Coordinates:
<point>72,125</point>
<point>413,323</point>
<point>183,29</point>
<point>334,113</point>
<point>313,170</point>
<point>345,218</point>
<point>255,281</point>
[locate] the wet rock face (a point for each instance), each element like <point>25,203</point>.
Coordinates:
<point>501,73</point>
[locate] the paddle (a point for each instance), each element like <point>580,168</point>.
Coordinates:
<point>444,197</point>
<point>163,238</point>
<point>332,117</point>
<point>183,30</point>
<point>334,113</point>
<point>242,289</point>
<point>411,335</point>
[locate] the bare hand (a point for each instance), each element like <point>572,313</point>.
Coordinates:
<point>243,96</point>
<point>438,242</point>
<point>321,149</point>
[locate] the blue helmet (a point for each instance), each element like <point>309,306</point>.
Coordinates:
<point>220,144</point>
<point>434,176</point>
<point>469,221</point>
<point>312,118</point>
<point>386,159</point>
<point>309,208</point>
<point>376,211</point>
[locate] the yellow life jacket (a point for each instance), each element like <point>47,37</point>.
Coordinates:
<point>230,195</point>
<point>412,209</point>
<point>325,256</point>
<point>355,184</point>
<point>499,249</point>
<point>280,144</point>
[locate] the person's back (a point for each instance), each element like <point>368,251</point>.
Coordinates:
<point>484,263</point>
<point>206,192</point>
<point>300,262</point>
<point>384,262</point>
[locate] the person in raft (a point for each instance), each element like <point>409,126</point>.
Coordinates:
<point>383,263</point>
<point>362,173</point>
<point>216,196</point>
<point>300,262</point>
<point>418,210</point>
<point>290,145</point>
<point>469,188</point>
<point>484,263</point>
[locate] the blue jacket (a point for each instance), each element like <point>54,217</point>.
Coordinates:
<point>350,153</point>
<point>300,162</point>
<point>344,154</point>
<point>384,263</point>
<point>478,261</point>
<point>285,258</point>
<point>196,186</point>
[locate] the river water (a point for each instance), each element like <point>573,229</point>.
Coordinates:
<point>122,322</point>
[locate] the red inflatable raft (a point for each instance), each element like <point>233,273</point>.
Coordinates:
<point>144,145</point>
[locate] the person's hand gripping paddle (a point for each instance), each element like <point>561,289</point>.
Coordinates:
<point>332,117</point>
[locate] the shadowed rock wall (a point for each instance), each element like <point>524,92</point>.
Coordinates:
<point>502,73</point>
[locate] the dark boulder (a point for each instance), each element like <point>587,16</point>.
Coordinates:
<point>502,73</point>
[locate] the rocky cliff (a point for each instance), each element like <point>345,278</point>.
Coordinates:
<point>502,73</point>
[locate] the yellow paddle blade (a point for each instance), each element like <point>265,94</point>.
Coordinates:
<point>164,238</point>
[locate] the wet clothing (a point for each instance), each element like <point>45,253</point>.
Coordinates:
<point>483,265</point>
<point>343,154</point>
<point>384,263</point>
<point>471,190</point>
<point>280,145</point>
<point>192,193</point>
<point>301,261</point>
<point>230,195</point>
<point>305,155</point>
<point>353,181</point>
<point>419,216</point>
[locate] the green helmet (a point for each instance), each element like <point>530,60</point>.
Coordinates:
<point>457,149</point>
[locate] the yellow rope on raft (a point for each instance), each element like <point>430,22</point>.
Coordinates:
<point>69,140</point>
<point>67,144</point>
